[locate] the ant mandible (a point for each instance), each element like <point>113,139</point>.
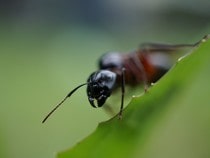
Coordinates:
<point>145,65</point>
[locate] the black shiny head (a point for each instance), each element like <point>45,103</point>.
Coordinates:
<point>100,86</point>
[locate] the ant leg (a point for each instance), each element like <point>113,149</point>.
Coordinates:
<point>166,48</point>
<point>122,92</point>
<point>204,39</point>
<point>142,70</point>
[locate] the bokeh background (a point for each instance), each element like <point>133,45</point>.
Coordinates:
<point>49,47</point>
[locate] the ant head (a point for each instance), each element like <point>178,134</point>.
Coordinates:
<point>100,86</point>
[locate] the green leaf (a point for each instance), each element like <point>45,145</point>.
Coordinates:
<point>171,120</point>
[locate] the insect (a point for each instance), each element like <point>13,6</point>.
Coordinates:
<point>144,66</point>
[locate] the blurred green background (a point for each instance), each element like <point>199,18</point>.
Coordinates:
<point>49,47</point>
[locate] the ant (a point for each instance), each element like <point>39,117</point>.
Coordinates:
<point>143,66</point>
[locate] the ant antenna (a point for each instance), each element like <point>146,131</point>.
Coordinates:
<point>70,93</point>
